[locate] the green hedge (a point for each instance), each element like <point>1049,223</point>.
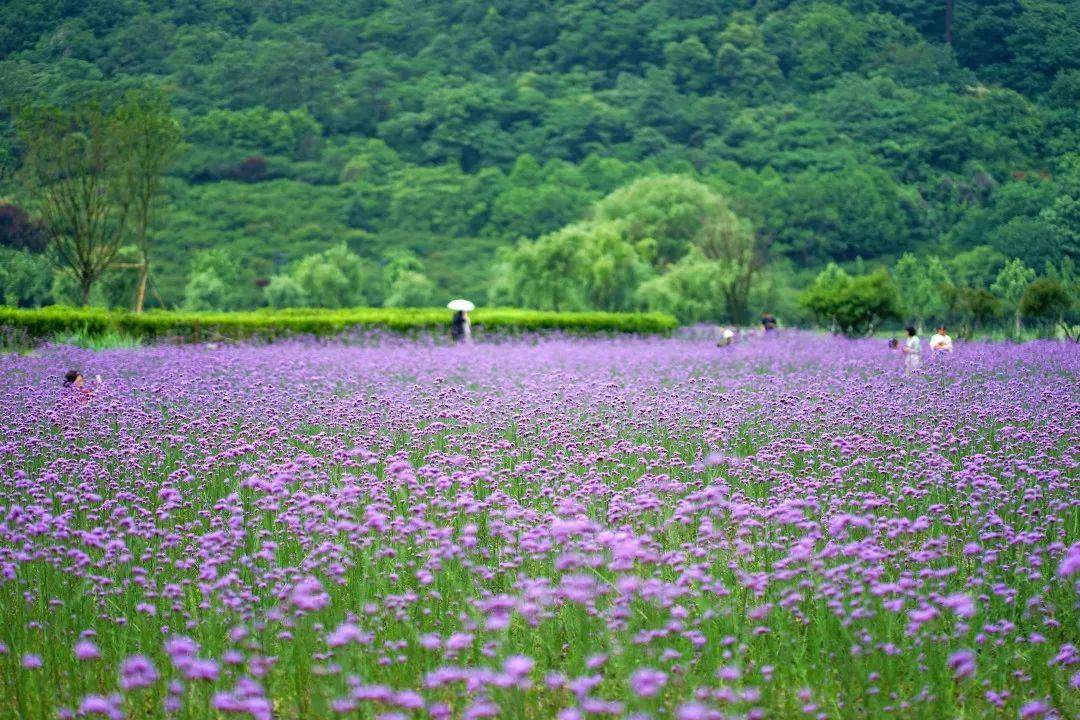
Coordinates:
<point>267,324</point>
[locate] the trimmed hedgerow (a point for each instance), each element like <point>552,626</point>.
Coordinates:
<point>268,324</point>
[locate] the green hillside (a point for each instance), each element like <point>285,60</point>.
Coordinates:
<point>840,130</point>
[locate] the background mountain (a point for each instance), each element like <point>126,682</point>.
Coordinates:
<point>428,135</point>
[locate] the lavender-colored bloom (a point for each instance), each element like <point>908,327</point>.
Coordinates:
<point>246,698</point>
<point>200,669</point>
<point>646,682</point>
<point>729,673</point>
<point>693,711</point>
<point>181,649</point>
<point>480,709</point>
<point>308,595</point>
<point>1033,709</point>
<point>30,661</point>
<point>518,666</point>
<point>1067,655</point>
<point>962,663</point>
<point>343,706</point>
<point>137,672</point>
<point>409,700</point>
<point>960,604</point>
<point>1070,565</point>
<point>347,633</point>
<point>459,641</point>
<point>110,707</point>
<point>86,650</point>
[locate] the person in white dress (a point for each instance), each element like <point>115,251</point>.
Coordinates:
<point>912,350</point>
<point>727,337</point>
<point>940,340</point>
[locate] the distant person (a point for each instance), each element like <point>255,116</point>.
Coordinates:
<point>912,350</point>
<point>768,323</point>
<point>894,344</point>
<point>727,337</point>
<point>461,327</point>
<point>74,380</point>
<point>940,340</point>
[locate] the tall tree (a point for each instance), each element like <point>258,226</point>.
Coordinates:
<point>661,214</point>
<point>1011,283</point>
<point>1047,302</point>
<point>731,243</point>
<point>854,305</point>
<point>148,141</point>
<point>920,283</point>
<point>545,274</point>
<point>70,166</point>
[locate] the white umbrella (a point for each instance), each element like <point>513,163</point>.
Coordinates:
<point>461,304</point>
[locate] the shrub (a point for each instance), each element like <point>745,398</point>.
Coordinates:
<point>61,320</point>
<point>853,305</point>
<point>1047,303</point>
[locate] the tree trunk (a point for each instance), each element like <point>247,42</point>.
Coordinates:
<point>140,294</point>
<point>1017,330</point>
<point>84,287</point>
<point>735,295</point>
<point>738,311</point>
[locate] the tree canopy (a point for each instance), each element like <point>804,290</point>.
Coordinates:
<point>839,131</point>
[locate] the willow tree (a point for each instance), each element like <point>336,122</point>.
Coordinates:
<point>70,166</point>
<point>731,244</point>
<point>148,141</point>
<point>665,216</point>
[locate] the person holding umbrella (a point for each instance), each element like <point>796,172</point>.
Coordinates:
<point>461,326</point>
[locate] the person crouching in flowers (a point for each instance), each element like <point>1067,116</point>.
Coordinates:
<point>912,350</point>
<point>74,380</point>
<point>940,341</point>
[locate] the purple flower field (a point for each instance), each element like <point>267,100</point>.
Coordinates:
<point>541,528</point>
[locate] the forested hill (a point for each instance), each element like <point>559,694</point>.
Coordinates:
<point>451,129</point>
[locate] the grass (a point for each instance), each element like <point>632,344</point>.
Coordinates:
<point>108,340</point>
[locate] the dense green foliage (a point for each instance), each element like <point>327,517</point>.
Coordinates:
<point>838,130</point>
<point>852,305</point>
<point>964,293</point>
<point>90,321</point>
<point>1047,302</point>
<point>631,253</point>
